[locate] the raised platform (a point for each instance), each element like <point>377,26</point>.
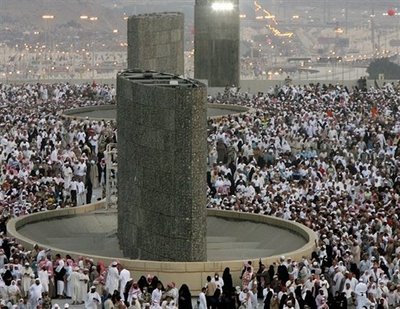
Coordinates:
<point>192,273</point>
<point>95,233</point>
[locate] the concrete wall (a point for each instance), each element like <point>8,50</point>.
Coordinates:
<point>161,168</point>
<point>192,273</point>
<point>79,113</point>
<point>216,44</point>
<point>75,112</point>
<point>231,110</point>
<point>155,42</point>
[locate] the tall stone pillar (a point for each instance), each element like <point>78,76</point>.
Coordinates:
<point>217,43</point>
<point>155,42</point>
<point>162,153</point>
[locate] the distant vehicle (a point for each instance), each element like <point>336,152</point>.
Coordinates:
<point>329,59</point>
<point>302,59</point>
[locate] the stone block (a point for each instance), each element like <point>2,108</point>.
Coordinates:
<point>159,179</point>
<point>149,39</point>
<point>176,35</point>
<point>163,51</point>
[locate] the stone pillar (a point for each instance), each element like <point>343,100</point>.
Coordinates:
<point>161,166</point>
<point>155,42</point>
<point>216,44</point>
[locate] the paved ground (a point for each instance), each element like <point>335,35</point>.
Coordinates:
<point>226,239</point>
<point>111,113</point>
<point>62,302</point>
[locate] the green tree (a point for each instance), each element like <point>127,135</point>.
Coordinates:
<point>384,66</point>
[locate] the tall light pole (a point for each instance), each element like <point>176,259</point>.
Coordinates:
<point>372,19</point>
<point>3,45</point>
<point>91,19</point>
<point>4,63</point>
<point>47,18</point>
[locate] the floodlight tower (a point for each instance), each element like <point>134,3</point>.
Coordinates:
<point>216,42</point>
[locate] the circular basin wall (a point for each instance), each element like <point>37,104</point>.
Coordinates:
<point>110,111</point>
<point>227,239</point>
<point>192,273</point>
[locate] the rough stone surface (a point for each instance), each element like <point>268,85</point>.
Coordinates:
<point>155,42</point>
<point>161,167</point>
<point>216,44</point>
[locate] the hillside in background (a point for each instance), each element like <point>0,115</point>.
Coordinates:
<point>27,15</point>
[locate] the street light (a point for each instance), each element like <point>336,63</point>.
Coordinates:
<point>91,19</point>
<point>4,64</point>
<point>339,30</point>
<point>222,6</point>
<point>47,18</point>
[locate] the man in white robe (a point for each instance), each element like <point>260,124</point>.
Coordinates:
<point>75,286</point>
<point>361,295</point>
<point>81,193</point>
<point>26,279</point>
<point>93,300</point>
<point>43,276</point>
<point>35,293</point>
<point>338,281</point>
<point>124,276</point>
<point>156,296</point>
<point>112,281</point>
<point>202,299</point>
<point>84,279</point>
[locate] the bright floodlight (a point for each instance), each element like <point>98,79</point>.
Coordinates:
<point>222,6</point>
